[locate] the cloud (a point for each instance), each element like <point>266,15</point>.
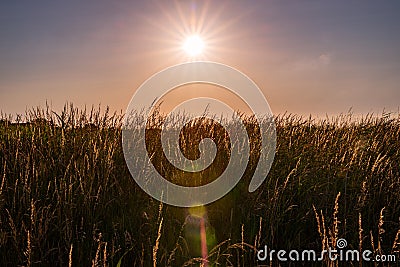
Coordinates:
<point>313,63</point>
<point>324,59</point>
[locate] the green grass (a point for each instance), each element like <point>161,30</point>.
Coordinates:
<point>67,197</point>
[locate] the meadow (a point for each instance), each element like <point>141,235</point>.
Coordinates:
<point>68,199</point>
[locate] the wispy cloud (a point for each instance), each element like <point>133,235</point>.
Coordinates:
<point>313,63</point>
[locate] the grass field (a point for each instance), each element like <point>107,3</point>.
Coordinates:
<point>67,197</point>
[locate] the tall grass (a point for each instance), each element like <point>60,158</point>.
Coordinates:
<point>67,198</point>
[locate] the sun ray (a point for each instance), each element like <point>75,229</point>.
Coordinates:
<point>179,22</point>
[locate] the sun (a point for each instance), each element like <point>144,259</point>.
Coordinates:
<point>193,45</point>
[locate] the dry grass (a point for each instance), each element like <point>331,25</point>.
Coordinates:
<point>67,198</point>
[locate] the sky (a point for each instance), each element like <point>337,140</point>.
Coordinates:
<point>307,57</point>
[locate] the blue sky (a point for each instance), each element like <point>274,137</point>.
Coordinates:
<point>308,57</point>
